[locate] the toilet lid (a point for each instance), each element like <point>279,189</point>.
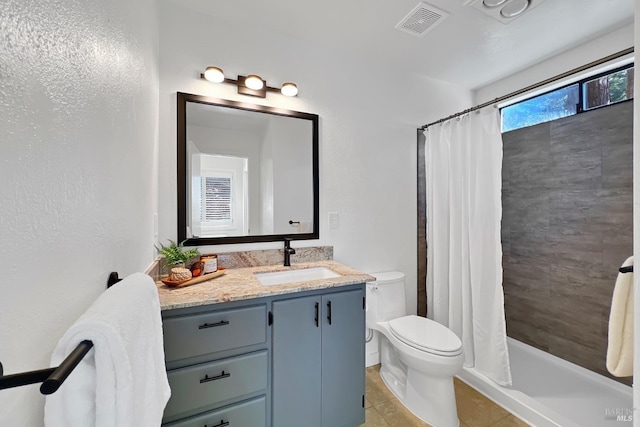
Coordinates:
<point>427,335</point>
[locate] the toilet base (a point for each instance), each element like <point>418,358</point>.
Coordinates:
<point>433,400</point>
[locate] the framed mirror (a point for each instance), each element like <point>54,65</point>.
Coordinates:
<point>246,173</point>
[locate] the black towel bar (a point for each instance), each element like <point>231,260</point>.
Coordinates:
<point>51,378</point>
<point>628,269</point>
<point>113,279</point>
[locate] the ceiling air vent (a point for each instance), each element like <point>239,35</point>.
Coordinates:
<point>422,19</point>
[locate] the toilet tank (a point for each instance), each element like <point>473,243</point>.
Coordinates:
<point>386,299</point>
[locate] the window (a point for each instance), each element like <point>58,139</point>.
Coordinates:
<point>544,108</point>
<point>604,89</point>
<point>608,89</point>
<point>217,199</point>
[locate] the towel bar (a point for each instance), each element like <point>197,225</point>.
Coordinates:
<point>628,269</point>
<point>51,378</point>
<point>113,279</point>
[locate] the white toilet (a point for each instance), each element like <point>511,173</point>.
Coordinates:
<point>419,356</point>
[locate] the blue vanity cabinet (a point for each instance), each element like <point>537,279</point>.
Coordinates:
<point>217,360</point>
<point>318,359</point>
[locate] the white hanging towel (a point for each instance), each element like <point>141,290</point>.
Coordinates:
<point>122,381</point>
<point>620,348</point>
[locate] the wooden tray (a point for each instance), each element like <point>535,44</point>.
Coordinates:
<point>195,280</point>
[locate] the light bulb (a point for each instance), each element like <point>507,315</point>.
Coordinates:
<point>214,74</point>
<point>493,3</point>
<point>515,8</point>
<point>289,89</point>
<point>254,82</point>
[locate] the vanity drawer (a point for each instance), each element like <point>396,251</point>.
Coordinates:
<point>198,334</point>
<point>251,413</point>
<point>210,383</point>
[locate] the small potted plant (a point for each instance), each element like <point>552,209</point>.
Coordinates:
<point>175,255</point>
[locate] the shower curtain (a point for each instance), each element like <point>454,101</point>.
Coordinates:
<point>464,210</point>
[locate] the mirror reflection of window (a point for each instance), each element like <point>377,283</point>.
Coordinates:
<point>216,198</point>
<point>220,195</point>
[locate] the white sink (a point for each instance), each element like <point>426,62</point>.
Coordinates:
<point>291,276</point>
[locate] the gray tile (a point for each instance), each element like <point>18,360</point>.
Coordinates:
<point>589,357</point>
<point>525,208</point>
<point>505,239</point>
<point>574,245</point>
<point>530,246</point>
<point>574,133</point>
<point>531,310</point>
<point>578,301</point>
<point>576,169</point>
<point>522,331</point>
<point>567,227</point>
<point>617,247</point>
<point>522,140</point>
<point>617,165</point>
<point>526,157</point>
<point>525,279</point>
<point>579,320</point>
<point>615,210</point>
<point>591,129</point>
<point>591,210</point>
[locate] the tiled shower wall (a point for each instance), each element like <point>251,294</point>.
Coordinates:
<point>566,228</point>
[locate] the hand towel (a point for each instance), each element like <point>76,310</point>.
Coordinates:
<point>122,381</point>
<point>620,348</point>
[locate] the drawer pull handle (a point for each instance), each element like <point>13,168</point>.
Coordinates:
<point>207,378</point>
<point>223,423</point>
<point>317,314</point>
<point>213,325</point>
<point>329,317</point>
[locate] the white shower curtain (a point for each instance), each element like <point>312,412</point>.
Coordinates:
<point>464,210</point>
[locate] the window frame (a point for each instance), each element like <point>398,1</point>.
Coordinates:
<point>581,84</point>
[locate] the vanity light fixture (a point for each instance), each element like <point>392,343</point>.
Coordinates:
<point>289,89</point>
<point>214,74</point>
<point>252,84</point>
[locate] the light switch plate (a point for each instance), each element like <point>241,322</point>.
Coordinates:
<point>334,221</point>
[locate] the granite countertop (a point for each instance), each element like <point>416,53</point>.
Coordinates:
<point>240,284</point>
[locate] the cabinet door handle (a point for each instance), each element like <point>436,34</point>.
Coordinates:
<point>213,325</point>
<point>207,378</point>
<point>329,311</point>
<point>317,314</point>
<point>223,423</point>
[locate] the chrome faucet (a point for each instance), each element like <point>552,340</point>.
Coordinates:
<point>288,251</point>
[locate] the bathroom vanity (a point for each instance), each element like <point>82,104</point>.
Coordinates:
<point>243,354</point>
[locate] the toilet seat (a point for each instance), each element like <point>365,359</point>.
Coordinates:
<point>426,335</point>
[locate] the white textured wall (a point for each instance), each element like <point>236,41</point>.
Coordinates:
<point>593,50</point>
<point>78,136</point>
<point>368,112</point>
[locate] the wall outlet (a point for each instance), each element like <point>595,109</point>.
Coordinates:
<point>333,221</point>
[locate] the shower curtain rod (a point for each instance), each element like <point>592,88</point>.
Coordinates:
<point>534,86</point>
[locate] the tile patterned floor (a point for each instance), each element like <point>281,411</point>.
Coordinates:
<point>474,410</point>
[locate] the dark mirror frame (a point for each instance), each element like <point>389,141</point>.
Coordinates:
<point>183,98</point>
